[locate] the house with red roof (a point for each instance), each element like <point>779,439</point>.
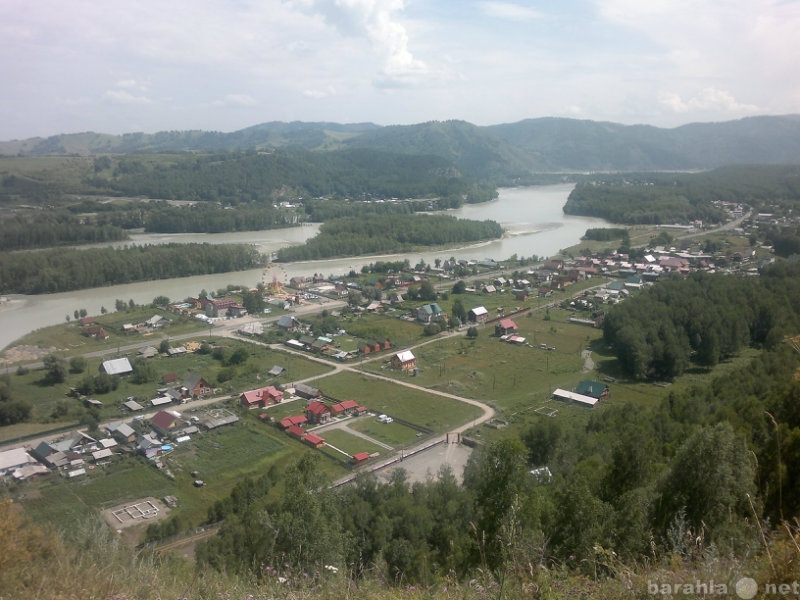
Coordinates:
<point>318,412</point>
<point>313,440</point>
<point>295,420</point>
<point>505,327</point>
<point>165,421</point>
<point>360,457</point>
<point>347,407</point>
<point>261,397</point>
<point>296,432</point>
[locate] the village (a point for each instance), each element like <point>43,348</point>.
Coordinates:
<point>499,302</point>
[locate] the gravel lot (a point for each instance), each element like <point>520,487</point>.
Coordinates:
<point>427,464</point>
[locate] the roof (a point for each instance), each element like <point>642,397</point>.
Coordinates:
<point>161,400</point>
<point>345,405</point>
<point>117,366</point>
<point>405,356</point>
<point>16,457</point>
<point>507,324</point>
<point>163,419</point>
<point>124,430</point>
<point>133,405</point>
<point>192,380</point>
<point>302,388</point>
<point>276,370</point>
<point>296,431</point>
<point>359,456</point>
<point>479,310</point>
<point>594,389</point>
<point>579,398</point>
<point>317,408</point>
<point>101,454</point>
<point>314,439</point>
<point>293,420</point>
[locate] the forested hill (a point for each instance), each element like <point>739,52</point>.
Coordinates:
<point>506,152</point>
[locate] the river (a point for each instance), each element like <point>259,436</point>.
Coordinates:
<point>532,216</point>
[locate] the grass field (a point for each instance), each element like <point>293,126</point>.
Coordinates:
<point>350,443</point>
<point>418,407</point>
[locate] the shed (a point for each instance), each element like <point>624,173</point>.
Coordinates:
<point>117,366</point>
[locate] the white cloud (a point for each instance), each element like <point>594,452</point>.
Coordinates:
<point>707,99</point>
<point>236,100</point>
<point>318,94</point>
<point>510,12</point>
<point>125,97</point>
<point>377,22</point>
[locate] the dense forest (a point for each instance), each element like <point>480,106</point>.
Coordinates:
<point>663,198</point>
<point>702,319</point>
<point>261,176</point>
<point>54,228</point>
<point>373,234</point>
<point>50,271</point>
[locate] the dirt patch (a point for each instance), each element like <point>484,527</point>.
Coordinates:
<point>23,353</point>
<point>131,518</point>
<point>426,464</point>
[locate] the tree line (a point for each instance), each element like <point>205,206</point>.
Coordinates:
<point>658,198</point>
<point>47,229</point>
<point>374,234</point>
<point>50,271</point>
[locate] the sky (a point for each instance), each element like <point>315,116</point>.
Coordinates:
<point>223,65</point>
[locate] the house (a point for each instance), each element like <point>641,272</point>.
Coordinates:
<point>218,307</point>
<point>122,432</point>
<point>405,361</point>
<point>479,314</point>
<point>288,323</point>
<point>347,407</point>
<point>261,397</point>
<point>318,412</point>
<point>505,327</point>
<point>196,386</point>
<point>117,366</point>
<point>295,420</point>
<point>96,332</point>
<point>165,422</point>
<point>157,321</point>
<point>296,432</point>
<point>489,289</point>
<point>313,440</point>
<point>14,459</point>
<point>321,344</point>
<point>51,457</point>
<point>306,391</point>
<point>593,389</point>
<point>360,457</point>
<point>428,313</point>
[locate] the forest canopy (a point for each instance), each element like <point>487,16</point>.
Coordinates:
<point>50,271</point>
<point>374,234</point>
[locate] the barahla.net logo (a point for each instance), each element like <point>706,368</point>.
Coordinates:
<point>745,588</point>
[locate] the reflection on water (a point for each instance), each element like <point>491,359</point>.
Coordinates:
<point>532,216</point>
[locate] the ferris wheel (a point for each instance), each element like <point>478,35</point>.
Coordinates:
<point>274,278</point>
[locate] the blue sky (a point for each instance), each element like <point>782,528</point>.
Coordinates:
<point>126,66</point>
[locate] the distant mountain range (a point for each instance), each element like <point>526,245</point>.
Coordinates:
<point>507,151</point>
